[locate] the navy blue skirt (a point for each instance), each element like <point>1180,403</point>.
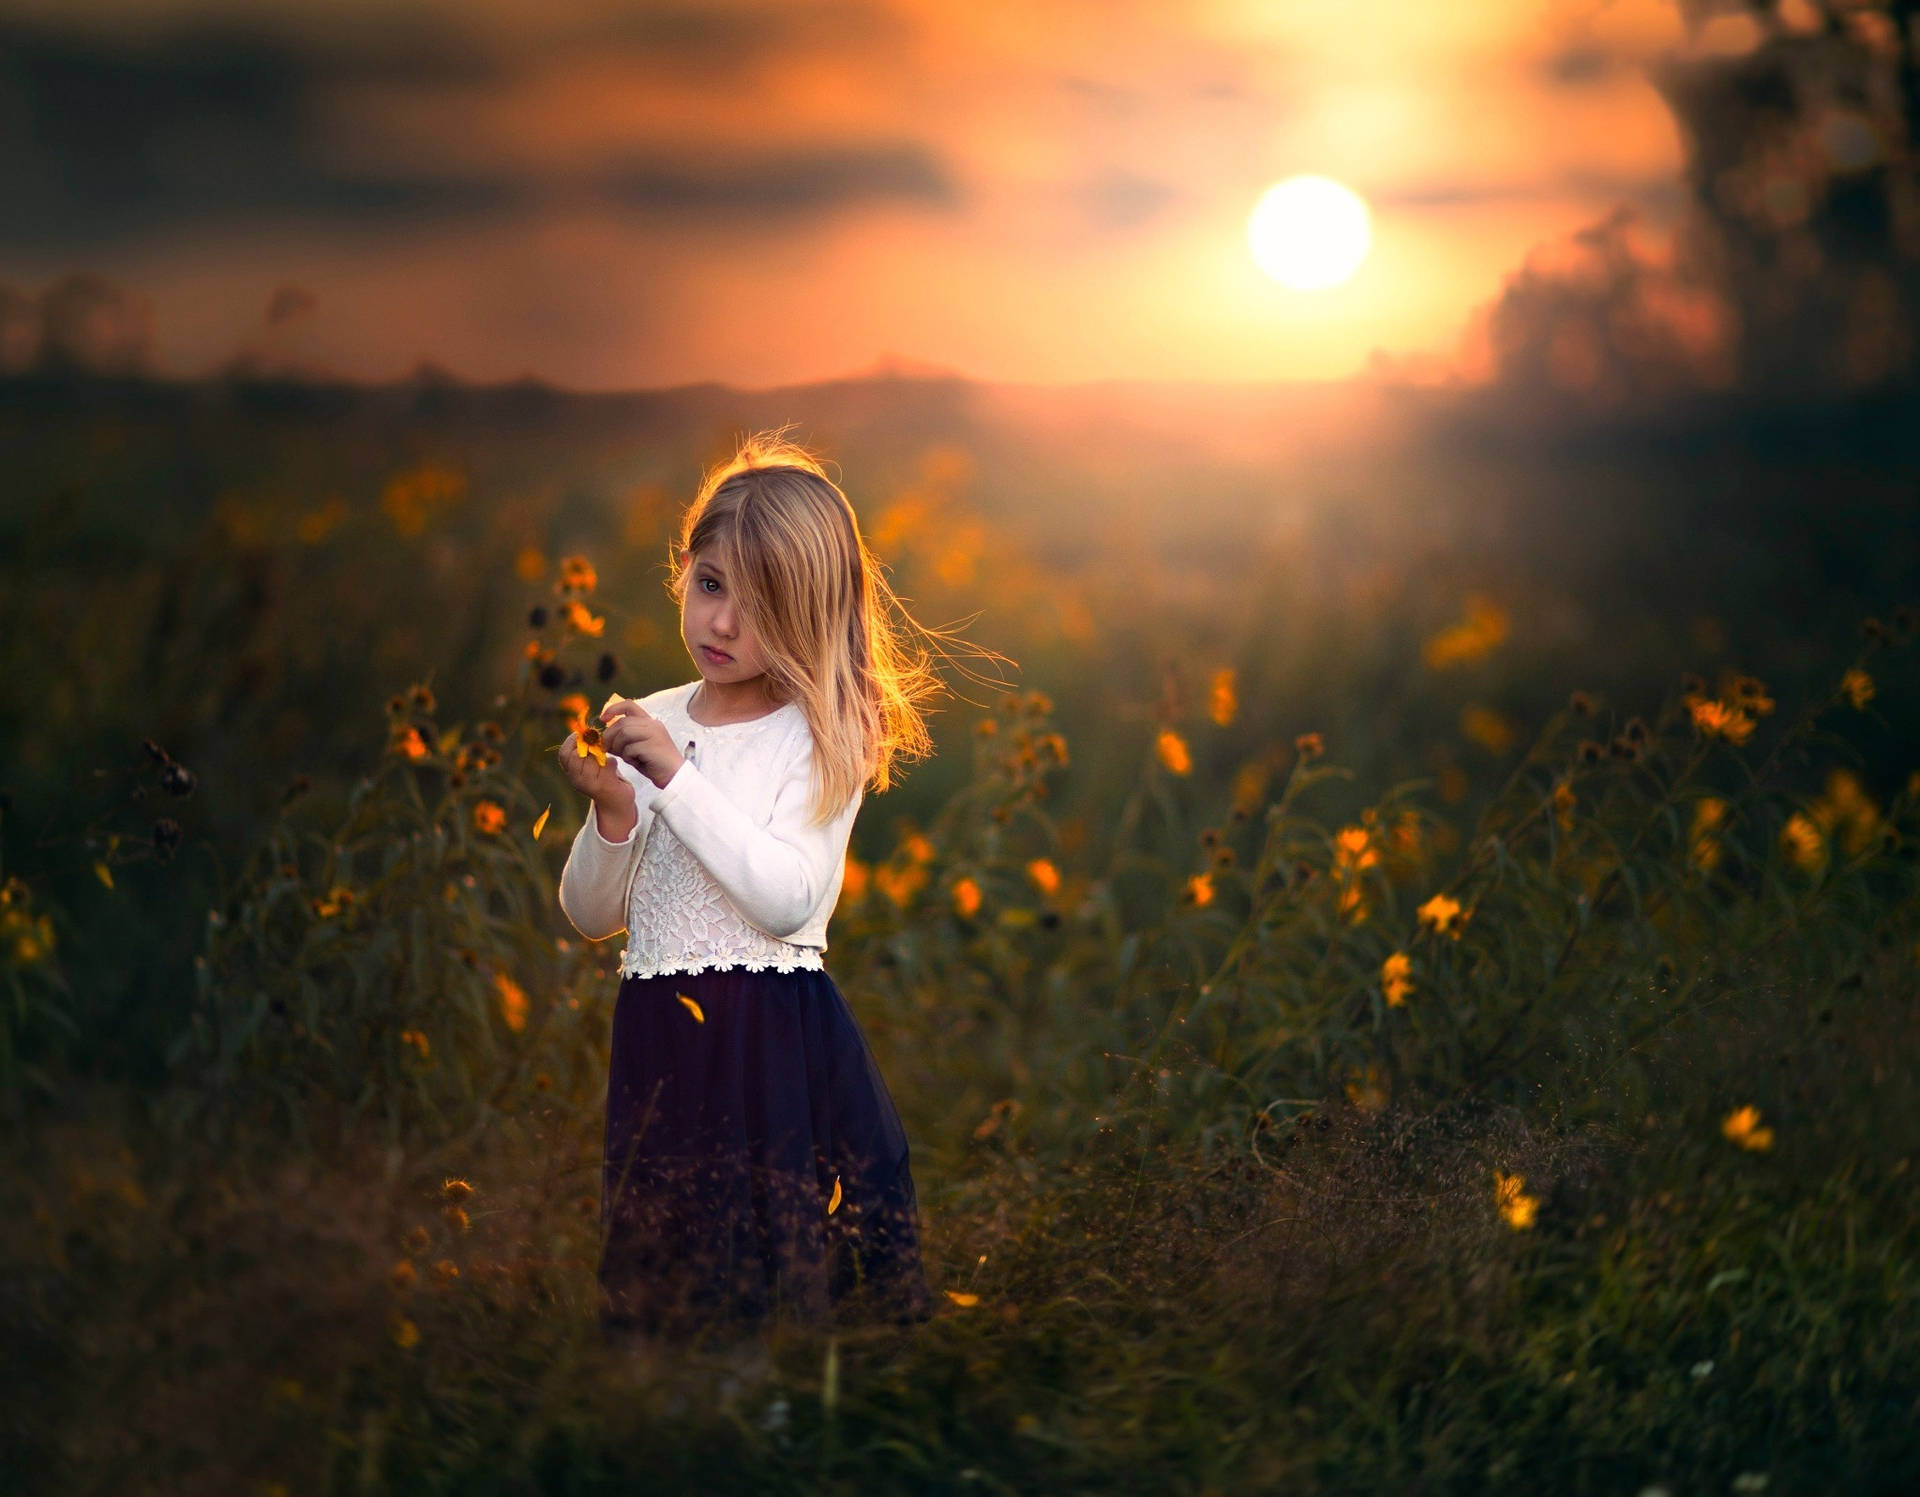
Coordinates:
<point>729,1133</point>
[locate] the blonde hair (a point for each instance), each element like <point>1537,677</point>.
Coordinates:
<point>817,601</point>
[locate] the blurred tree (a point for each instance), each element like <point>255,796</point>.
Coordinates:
<point>1794,268</point>
<point>1801,174</point>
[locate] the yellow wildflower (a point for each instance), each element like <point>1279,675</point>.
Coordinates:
<point>1444,914</point>
<point>1703,846</point>
<point>408,744</point>
<point>1200,888</point>
<point>1046,878</point>
<point>417,1240</point>
<point>1749,695</point>
<point>1396,978</point>
<point>966,897</point>
<point>1309,746</point>
<point>402,1275</point>
<point>1857,686</point>
<point>406,1335</point>
<point>1483,629</point>
<point>1516,1206</point>
<point>577,574</point>
<point>446,1271</point>
<point>530,564</point>
<point>1353,850</point>
<point>1222,703</point>
<point>1742,1126</point>
<point>1172,749</point>
<point>589,745</point>
<point>854,878</point>
<point>1713,718</point>
<point>1484,726</point>
<point>900,884</point>
<point>337,899</point>
<point>456,1190</point>
<point>574,613</point>
<point>1805,846</point>
<point>456,1217</point>
<point>919,848</point>
<point>489,817</point>
<point>1564,800</point>
<point>513,1001</point>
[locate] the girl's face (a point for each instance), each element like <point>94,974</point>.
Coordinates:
<point>709,623</point>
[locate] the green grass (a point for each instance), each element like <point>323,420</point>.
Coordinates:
<point>1229,1213</point>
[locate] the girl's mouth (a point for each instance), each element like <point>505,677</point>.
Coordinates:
<point>718,657</point>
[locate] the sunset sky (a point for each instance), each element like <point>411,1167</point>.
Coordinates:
<point>619,195</point>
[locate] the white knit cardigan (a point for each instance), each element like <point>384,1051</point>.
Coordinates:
<point>742,879</point>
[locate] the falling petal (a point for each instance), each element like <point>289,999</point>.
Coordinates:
<point>104,874</point>
<point>833,1202</point>
<point>540,824</point>
<point>692,1007</point>
<point>960,1298</point>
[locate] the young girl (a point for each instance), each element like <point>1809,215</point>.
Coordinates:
<point>754,1160</point>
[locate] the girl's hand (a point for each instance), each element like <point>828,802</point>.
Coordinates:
<point>600,782</point>
<point>640,738</point>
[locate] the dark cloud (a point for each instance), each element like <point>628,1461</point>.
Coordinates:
<point>795,181</point>
<point>113,138</point>
<point>106,138</point>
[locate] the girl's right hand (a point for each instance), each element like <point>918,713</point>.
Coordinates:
<point>600,782</point>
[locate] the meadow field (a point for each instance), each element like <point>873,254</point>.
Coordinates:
<point>1401,977</point>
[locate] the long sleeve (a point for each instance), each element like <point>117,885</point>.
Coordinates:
<point>593,885</point>
<point>776,875</point>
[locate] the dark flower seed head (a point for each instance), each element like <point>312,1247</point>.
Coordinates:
<point>167,835</point>
<point>537,616</point>
<point>177,779</point>
<point>1693,685</point>
<point>1582,703</point>
<point>552,677</point>
<point>1636,730</point>
<point>607,667</point>
<point>1591,752</point>
<point>1874,630</point>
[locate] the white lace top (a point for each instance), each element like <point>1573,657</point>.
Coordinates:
<point>721,870</point>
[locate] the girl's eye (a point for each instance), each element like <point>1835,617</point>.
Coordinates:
<point>705,580</point>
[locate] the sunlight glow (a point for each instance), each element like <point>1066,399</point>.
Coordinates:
<point>1309,233</point>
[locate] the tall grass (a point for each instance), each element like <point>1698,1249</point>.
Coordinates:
<point>1322,1144</point>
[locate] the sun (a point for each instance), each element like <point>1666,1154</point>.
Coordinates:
<point>1309,233</point>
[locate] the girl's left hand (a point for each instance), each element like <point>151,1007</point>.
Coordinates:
<point>640,738</point>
